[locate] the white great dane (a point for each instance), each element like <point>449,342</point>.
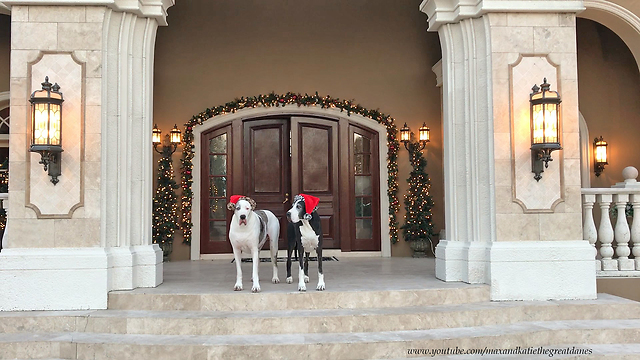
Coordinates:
<point>248,232</point>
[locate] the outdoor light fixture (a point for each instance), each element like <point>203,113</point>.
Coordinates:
<point>46,124</point>
<point>545,126</point>
<point>600,152</point>
<point>406,135</point>
<point>175,138</point>
<point>424,134</point>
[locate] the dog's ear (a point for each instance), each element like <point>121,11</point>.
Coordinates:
<point>231,206</point>
<point>252,202</point>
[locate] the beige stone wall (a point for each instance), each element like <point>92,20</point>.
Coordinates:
<point>626,288</point>
<point>376,52</point>
<point>65,44</point>
<point>545,44</point>
<point>609,90</point>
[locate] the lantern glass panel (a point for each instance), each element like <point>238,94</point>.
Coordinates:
<point>551,123</point>
<point>537,114</point>
<point>40,124</point>
<point>405,134</point>
<point>601,152</point>
<point>156,137</point>
<point>175,136</point>
<point>54,124</point>
<point>424,134</point>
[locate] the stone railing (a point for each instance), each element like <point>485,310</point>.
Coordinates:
<point>616,237</point>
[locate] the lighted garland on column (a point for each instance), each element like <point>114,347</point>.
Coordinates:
<point>276,100</point>
<point>418,202</point>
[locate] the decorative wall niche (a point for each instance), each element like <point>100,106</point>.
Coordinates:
<point>531,195</point>
<point>61,200</point>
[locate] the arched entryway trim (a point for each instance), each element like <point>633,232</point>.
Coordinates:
<point>291,104</point>
<point>618,19</point>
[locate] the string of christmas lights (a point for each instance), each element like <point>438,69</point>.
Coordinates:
<point>417,201</point>
<point>165,204</point>
<point>276,100</point>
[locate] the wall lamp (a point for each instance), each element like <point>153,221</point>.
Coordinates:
<point>600,152</point>
<point>423,135</point>
<point>174,137</point>
<point>46,124</point>
<point>545,126</point>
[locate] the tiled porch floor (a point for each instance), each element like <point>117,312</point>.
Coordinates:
<point>347,274</point>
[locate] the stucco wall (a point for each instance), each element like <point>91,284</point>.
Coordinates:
<point>609,89</point>
<point>375,52</point>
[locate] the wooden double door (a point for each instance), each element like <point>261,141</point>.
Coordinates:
<point>272,159</point>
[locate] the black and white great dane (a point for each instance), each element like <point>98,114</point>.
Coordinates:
<point>305,234</point>
<point>248,232</point>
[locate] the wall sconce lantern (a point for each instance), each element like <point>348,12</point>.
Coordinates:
<point>600,158</point>
<point>175,138</point>
<point>46,124</point>
<point>406,135</point>
<point>545,126</point>
<point>424,134</point>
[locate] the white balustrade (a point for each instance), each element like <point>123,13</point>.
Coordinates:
<point>589,230</point>
<point>635,230</point>
<point>616,250</point>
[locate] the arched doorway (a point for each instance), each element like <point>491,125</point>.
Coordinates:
<point>273,154</point>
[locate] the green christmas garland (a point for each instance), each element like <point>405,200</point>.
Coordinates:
<point>275,100</point>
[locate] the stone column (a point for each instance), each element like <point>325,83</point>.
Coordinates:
<point>68,245</point>
<point>503,227</point>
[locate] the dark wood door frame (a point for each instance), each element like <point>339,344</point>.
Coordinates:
<point>342,196</point>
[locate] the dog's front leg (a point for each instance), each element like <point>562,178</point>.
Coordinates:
<point>238,258</point>
<point>301,283</point>
<point>289,254</point>
<point>306,267</point>
<point>321,285</point>
<point>256,261</point>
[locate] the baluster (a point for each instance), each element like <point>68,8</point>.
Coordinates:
<point>635,230</point>
<point>605,234</point>
<point>622,233</point>
<point>589,231</point>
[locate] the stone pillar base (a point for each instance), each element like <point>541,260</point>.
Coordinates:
<point>462,261</point>
<point>134,267</point>
<point>542,270</point>
<point>53,279</point>
<point>74,278</point>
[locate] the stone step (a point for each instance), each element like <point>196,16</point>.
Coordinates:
<point>265,301</point>
<point>316,321</point>
<point>379,345</point>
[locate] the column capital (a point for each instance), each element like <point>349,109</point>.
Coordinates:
<point>451,11</point>
<point>156,9</point>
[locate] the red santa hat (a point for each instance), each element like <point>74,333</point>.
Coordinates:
<point>233,200</point>
<point>310,205</point>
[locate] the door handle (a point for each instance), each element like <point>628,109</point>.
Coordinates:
<point>286,198</point>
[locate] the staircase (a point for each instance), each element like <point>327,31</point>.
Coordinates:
<point>376,309</point>
<point>317,325</point>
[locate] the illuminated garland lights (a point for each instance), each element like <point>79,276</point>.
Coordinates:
<point>275,100</point>
<point>417,201</point>
<point>165,205</point>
